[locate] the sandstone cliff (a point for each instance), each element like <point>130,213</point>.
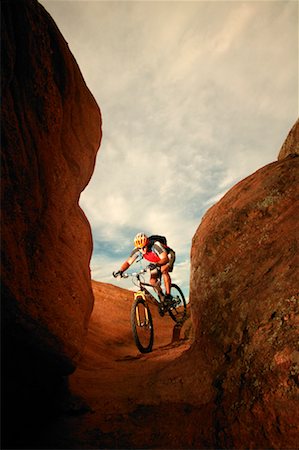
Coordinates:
<point>245,304</point>
<point>50,136</point>
<point>291,144</point>
<point>51,131</point>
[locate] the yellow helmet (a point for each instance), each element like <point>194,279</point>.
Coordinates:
<point>140,240</point>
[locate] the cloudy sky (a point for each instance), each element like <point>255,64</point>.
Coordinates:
<point>195,96</point>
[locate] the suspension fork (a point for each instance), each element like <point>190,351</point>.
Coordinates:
<point>136,295</point>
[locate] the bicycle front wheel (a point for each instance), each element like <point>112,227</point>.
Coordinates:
<point>179,310</point>
<point>142,325</point>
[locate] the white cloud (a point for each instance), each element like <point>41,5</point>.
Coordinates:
<point>236,24</point>
<point>194,97</point>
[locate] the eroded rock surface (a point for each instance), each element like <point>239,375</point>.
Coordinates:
<point>291,144</point>
<point>51,132</point>
<point>245,305</point>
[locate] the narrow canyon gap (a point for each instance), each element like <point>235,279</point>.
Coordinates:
<point>234,384</point>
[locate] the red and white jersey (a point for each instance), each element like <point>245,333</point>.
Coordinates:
<point>153,253</point>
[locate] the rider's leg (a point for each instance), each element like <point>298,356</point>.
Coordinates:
<point>156,283</point>
<point>166,278</point>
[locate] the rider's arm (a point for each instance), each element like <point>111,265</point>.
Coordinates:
<point>129,261</point>
<point>160,251</point>
<point>126,265</point>
<point>163,259</point>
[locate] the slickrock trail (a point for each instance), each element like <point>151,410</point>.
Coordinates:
<point>235,387</point>
<point>114,379</point>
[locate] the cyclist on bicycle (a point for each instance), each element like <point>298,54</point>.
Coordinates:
<point>161,260</point>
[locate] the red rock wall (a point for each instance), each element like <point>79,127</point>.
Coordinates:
<point>245,305</point>
<point>291,144</point>
<point>51,131</point>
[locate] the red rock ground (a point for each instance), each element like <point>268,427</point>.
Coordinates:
<point>114,378</point>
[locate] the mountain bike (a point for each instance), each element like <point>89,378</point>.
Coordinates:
<point>141,317</point>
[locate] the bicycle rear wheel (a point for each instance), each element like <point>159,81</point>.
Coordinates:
<point>179,310</point>
<point>142,325</point>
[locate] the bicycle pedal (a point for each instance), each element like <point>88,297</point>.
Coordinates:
<point>169,303</point>
<point>161,312</point>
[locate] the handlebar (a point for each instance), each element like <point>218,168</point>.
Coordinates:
<point>127,275</point>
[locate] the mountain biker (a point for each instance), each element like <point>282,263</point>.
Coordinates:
<point>161,260</point>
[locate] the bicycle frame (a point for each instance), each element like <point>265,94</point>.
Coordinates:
<point>141,317</point>
<point>143,292</point>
